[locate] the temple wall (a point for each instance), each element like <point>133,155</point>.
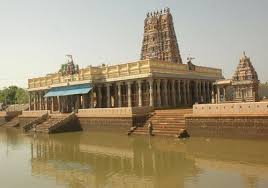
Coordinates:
<point>239,120</point>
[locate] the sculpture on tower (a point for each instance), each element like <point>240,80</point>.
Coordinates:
<point>159,41</point>
<point>69,68</point>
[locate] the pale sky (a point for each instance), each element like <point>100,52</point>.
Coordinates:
<point>36,35</point>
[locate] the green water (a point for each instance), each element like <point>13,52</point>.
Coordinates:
<point>114,160</point>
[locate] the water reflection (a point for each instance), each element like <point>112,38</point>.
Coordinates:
<point>108,160</point>
<point>112,160</point>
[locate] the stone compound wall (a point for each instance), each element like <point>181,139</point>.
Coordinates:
<point>239,120</point>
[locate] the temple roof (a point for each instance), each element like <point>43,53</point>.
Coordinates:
<point>245,70</point>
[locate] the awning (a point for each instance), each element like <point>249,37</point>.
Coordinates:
<point>69,90</point>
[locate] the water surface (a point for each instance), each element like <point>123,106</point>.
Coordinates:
<point>74,160</point>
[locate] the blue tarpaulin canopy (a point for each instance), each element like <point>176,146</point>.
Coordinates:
<point>69,90</point>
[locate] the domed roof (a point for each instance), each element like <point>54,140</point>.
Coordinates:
<point>245,70</point>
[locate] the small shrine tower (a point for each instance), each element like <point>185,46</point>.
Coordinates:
<point>160,40</point>
<point>245,81</point>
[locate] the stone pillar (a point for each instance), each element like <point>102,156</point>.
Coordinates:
<point>92,98</point>
<point>200,91</point>
<point>129,94</point>
<point>99,97</point>
<point>84,102</point>
<point>173,93</point>
<point>40,101</point>
<point>196,92</point>
<point>34,98</point>
<point>140,93</point>
<point>30,101</point>
<point>218,95</point>
<point>204,92</point>
<point>119,95</point>
<point>58,101</point>
<point>108,96</point>
<point>185,92</point>
<point>189,101</point>
<point>46,103</point>
<point>208,92</point>
<point>179,91</point>
<point>159,102</point>
<point>165,92</point>
<point>151,90</point>
<point>213,96</point>
<point>52,104</point>
<point>224,94</point>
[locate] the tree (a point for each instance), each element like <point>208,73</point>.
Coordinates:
<point>22,96</point>
<point>13,95</point>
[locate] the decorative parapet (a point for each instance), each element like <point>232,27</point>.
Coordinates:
<point>251,108</point>
<point>122,71</point>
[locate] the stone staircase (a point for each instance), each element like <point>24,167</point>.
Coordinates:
<point>30,125</point>
<point>12,123</point>
<point>56,123</point>
<point>165,122</point>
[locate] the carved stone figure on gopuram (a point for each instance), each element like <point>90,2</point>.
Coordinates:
<point>69,68</point>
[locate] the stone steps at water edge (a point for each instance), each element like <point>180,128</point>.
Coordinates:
<point>165,122</point>
<point>12,123</point>
<point>54,123</point>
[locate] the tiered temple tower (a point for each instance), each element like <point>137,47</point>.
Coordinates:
<point>160,40</point>
<point>245,81</point>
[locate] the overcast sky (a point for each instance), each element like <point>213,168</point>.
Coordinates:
<point>35,35</point>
